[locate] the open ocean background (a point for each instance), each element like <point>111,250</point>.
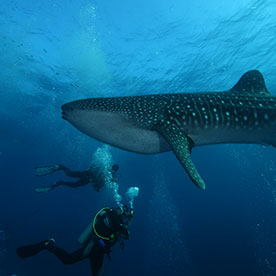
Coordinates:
<point>52,52</point>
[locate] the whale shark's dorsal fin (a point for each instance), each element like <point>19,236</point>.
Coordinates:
<point>181,145</point>
<point>251,82</point>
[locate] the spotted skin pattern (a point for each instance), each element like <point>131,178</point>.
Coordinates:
<point>244,114</point>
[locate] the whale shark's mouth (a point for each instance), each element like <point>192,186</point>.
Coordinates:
<point>66,109</point>
<point>63,115</point>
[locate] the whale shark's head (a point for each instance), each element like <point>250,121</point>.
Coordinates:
<point>115,122</point>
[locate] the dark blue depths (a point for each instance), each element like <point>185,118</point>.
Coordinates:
<point>54,52</point>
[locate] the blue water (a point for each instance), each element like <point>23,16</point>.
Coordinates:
<point>52,52</point>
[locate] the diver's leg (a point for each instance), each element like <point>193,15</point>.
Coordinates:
<point>75,184</point>
<point>61,254</point>
<point>70,173</point>
<point>64,257</point>
<point>45,189</point>
<point>46,170</point>
<point>96,259</point>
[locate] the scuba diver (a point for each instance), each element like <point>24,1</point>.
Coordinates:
<point>108,227</point>
<point>93,175</point>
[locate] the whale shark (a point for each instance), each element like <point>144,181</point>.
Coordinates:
<point>180,121</point>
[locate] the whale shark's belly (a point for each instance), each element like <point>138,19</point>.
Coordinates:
<point>211,136</point>
<point>115,130</point>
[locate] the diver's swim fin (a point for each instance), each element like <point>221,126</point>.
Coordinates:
<point>33,249</point>
<point>43,189</point>
<point>30,250</point>
<point>45,170</point>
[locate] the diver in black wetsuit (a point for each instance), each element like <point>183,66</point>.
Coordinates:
<point>94,175</point>
<point>109,226</point>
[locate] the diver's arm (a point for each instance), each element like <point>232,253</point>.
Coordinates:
<point>130,216</point>
<point>125,226</point>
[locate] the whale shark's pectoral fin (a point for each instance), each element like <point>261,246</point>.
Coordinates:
<point>181,146</point>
